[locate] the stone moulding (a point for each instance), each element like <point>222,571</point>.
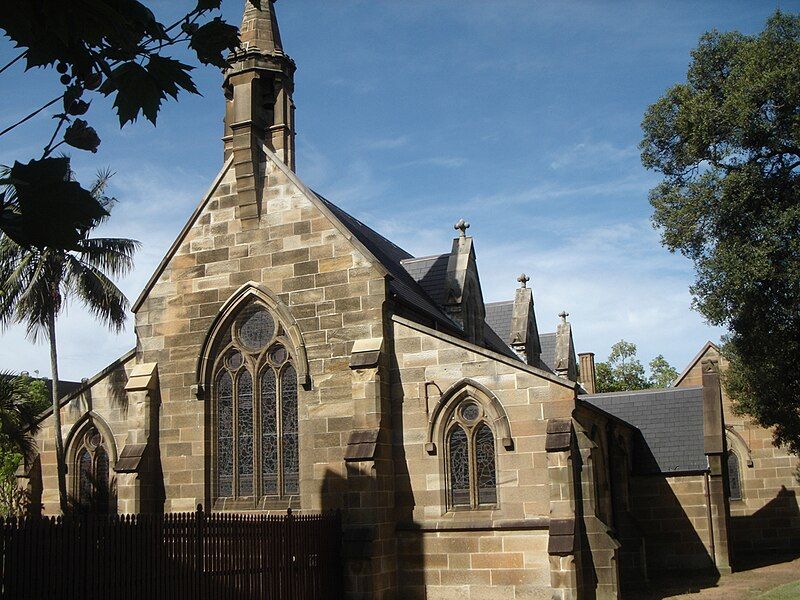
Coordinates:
<point>246,293</point>
<point>468,388</point>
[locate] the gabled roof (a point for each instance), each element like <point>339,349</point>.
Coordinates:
<point>708,346</point>
<point>670,423</point>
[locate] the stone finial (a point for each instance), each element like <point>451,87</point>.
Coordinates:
<point>523,280</point>
<point>462,226</point>
<point>563,314</point>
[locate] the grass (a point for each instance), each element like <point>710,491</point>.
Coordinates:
<point>790,591</point>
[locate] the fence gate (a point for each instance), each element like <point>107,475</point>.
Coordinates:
<point>197,556</point>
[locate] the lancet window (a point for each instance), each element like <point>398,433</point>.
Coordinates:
<point>91,471</point>
<point>471,468</point>
<point>256,419</point>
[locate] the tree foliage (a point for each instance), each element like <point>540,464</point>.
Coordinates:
<point>727,142</point>
<point>623,371</point>
<point>117,48</point>
<point>36,284</point>
<point>22,399</point>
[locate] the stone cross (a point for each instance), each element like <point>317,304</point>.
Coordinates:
<point>563,314</point>
<point>523,280</point>
<point>462,226</point>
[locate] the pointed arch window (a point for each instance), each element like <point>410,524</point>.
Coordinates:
<point>471,460</point>
<point>256,415</point>
<point>91,472</point>
<point>734,476</point>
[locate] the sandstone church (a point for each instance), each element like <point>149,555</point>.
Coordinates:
<point>287,355</point>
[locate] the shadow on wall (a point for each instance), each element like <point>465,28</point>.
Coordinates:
<point>770,535</point>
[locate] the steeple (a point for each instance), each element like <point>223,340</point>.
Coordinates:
<point>259,110</point>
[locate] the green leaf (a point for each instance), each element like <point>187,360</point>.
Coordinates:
<point>212,40</point>
<point>43,188</point>
<point>80,135</point>
<point>170,75</point>
<point>136,92</point>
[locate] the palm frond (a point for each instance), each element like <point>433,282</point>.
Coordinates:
<point>111,255</point>
<point>97,292</point>
<point>18,418</point>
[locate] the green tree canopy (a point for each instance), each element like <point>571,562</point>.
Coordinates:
<point>727,142</point>
<point>662,374</point>
<point>623,371</point>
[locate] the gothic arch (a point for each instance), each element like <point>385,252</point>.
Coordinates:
<point>75,445</point>
<point>737,444</point>
<point>81,425</point>
<point>239,299</point>
<point>450,399</point>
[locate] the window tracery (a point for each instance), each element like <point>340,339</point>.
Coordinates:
<point>91,471</point>
<point>255,410</point>
<point>471,461</point>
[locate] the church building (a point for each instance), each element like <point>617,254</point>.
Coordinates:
<point>289,356</point>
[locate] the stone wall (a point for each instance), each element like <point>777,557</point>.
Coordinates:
<point>104,400</point>
<point>767,517</point>
<point>502,547</point>
<point>476,565</point>
<point>328,287</point>
<point>672,515</point>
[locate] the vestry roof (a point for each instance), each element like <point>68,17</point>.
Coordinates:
<point>670,424</point>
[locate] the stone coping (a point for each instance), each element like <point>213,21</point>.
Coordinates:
<point>478,525</point>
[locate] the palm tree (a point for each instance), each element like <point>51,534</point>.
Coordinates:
<point>37,283</point>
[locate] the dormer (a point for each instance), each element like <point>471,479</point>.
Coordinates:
<point>463,298</point>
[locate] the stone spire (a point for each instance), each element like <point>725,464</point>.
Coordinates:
<point>259,110</point>
<point>259,30</point>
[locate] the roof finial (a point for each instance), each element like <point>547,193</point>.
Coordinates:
<point>462,226</point>
<point>563,314</point>
<point>523,280</point>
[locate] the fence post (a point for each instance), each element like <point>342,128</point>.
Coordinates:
<point>199,556</point>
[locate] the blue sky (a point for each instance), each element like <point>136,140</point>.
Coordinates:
<point>520,116</point>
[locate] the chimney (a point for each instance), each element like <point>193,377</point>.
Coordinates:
<point>588,375</point>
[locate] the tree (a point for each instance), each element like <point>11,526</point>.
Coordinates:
<point>36,284</point>
<point>108,47</point>
<point>622,371</point>
<point>20,404</point>
<point>727,142</point>
<point>662,374</point>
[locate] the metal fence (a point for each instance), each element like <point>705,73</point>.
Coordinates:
<point>200,555</point>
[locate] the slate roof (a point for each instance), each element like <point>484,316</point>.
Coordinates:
<point>430,273</point>
<point>548,343</point>
<point>498,317</point>
<point>390,255</point>
<point>404,269</point>
<point>670,424</point>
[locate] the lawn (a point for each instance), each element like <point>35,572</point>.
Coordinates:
<point>790,591</point>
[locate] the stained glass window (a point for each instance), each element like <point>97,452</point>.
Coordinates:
<point>257,419</point>
<point>225,435</point>
<point>459,467</point>
<point>85,476</point>
<point>269,433</point>
<point>244,438</point>
<point>257,328</point>
<point>470,411</point>
<point>484,465</point>
<point>92,471</point>
<point>734,477</point>
<point>289,437</point>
